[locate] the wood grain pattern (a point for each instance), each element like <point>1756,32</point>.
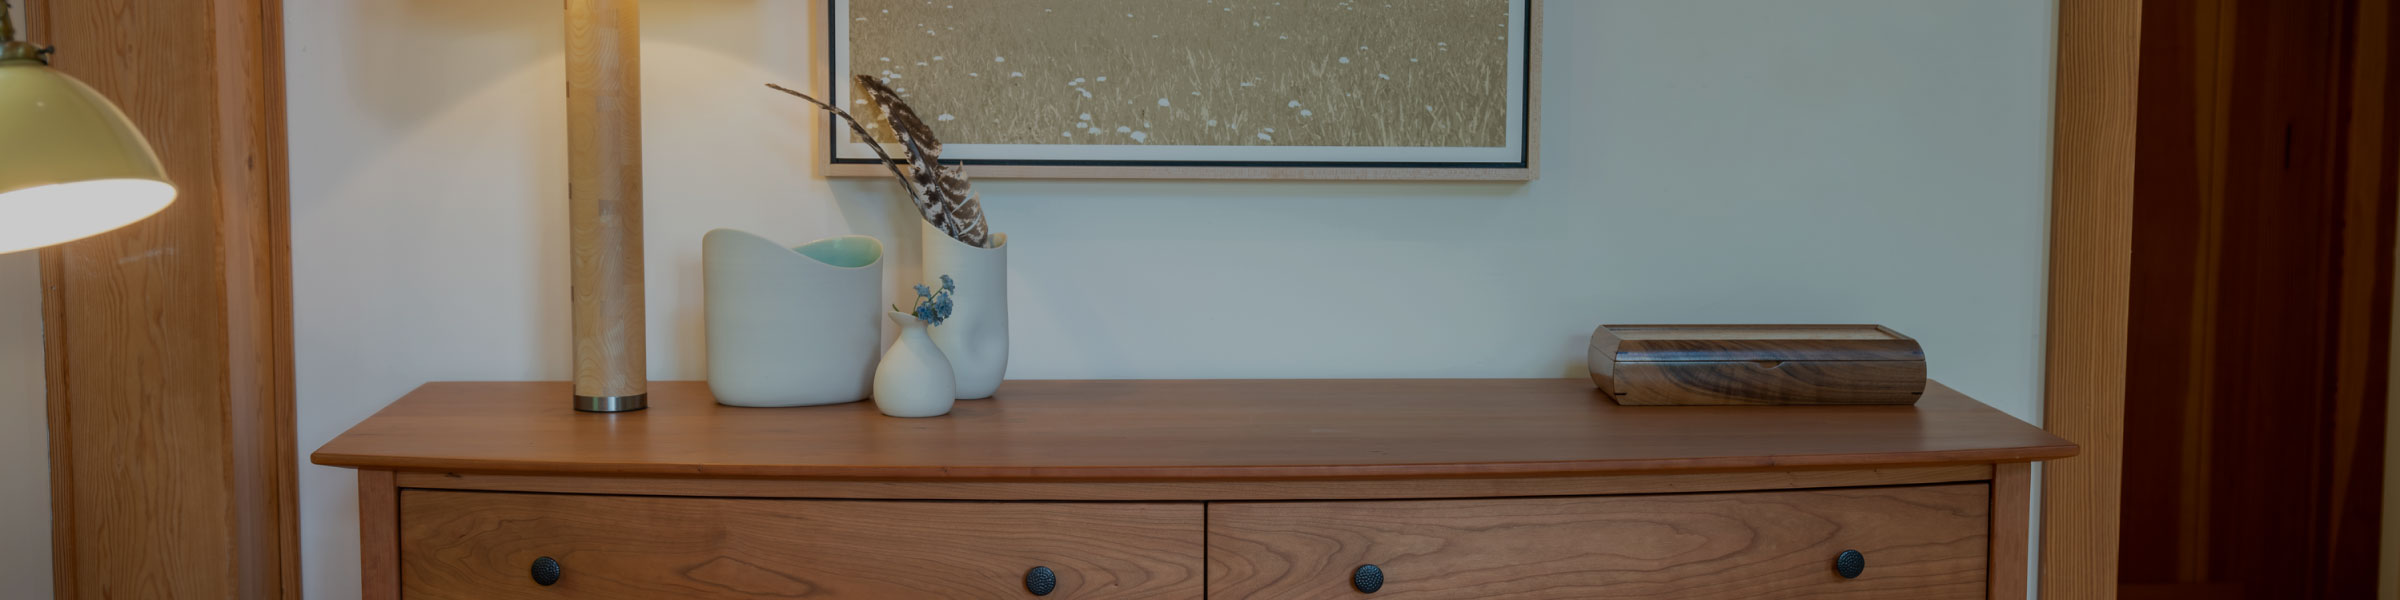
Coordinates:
<point>821,31</point>
<point>2012,529</point>
<point>604,195</point>
<point>1919,543</point>
<point>479,545</point>
<point>2091,241</point>
<point>1743,382</point>
<point>169,339</point>
<point>1220,429</point>
<point>2258,298</point>
<point>1339,489</point>
<point>378,535</point>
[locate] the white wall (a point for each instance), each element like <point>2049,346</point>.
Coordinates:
<point>24,427</point>
<point>1755,161</point>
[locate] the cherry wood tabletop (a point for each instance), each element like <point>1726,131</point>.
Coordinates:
<point>1170,430</point>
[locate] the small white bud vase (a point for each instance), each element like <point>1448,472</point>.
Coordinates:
<point>791,326</point>
<point>975,337</point>
<point>914,379</point>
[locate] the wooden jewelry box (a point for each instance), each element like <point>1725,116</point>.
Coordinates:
<point>1702,365</point>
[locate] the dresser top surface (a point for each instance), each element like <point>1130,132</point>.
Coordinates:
<point>1167,430</point>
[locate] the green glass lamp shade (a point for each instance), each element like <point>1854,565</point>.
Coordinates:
<point>71,164</point>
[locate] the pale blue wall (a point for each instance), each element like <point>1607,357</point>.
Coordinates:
<point>1754,161</point>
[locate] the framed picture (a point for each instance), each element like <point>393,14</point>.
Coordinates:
<point>1201,89</point>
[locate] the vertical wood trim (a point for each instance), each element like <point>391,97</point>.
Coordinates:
<point>378,535</point>
<point>2012,507</point>
<point>604,195</point>
<point>168,342</point>
<point>2091,251</point>
<point>2362,298</point>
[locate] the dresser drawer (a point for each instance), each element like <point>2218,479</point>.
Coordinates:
<point>484,545</point>
<point>1918,543</point>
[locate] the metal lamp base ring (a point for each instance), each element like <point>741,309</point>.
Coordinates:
<point>610,404</point>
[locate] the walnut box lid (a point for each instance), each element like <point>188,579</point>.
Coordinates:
<point>1756,364</point>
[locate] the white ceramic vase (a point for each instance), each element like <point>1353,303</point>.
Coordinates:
<point>791,326</point>
<point>914,379</point>
<point>975,337</point>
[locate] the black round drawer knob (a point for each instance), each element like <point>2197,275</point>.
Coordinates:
<point>545,570</point>
<point>1367,578</point>
<point>1850,564</point>
<point>1041,581</point>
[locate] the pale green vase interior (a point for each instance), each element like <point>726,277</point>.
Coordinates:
<point>848,252</point>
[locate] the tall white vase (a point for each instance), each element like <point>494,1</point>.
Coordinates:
<point>791,326</point>
<point>975,337</point>
<point>913,380</point>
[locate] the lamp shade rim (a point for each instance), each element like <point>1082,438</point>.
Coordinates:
<point>44,215</point>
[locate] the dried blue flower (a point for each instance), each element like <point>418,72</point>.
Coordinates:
<point>933,307</point>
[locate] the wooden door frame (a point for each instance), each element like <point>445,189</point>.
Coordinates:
<point>2091,269</point>
<point>168,342</point>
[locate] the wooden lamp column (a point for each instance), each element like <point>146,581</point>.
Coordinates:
<point>604,197</point>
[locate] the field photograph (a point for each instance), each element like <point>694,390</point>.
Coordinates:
<point>1374,73</point>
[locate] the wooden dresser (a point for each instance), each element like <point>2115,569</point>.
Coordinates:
<point>1189,489</point>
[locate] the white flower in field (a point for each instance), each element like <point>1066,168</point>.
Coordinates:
<point>1093,131</point>
<point>1384,76</point>
<point>945,117</point>
<point>1124,129</point>
<point>902,90</point>
<point>1304,112</point>
<point>1412,59</point>
<point>1211,122</point>
<point>1084,116</point>
<point>1066,134</point>
<point>1162,102</point>
<point>888,77</point>
<point>1293,104</point>
<point>1080,124</point>
<point>937,58</point>
<point>1283,37</point>
<point>923,64</point>
<point>1248,84</point>
<point>1345,60</point>
<point>1102,78</point>
<point>974,74</point>
<point>1088,93</point>
<point>1016,73</point>
<point>999,59</point>
<point>1428,108</point>
<point>1270,130</point>
<point>884,58</point>
<point>1139,136</point>
<point>1362,47</point>
<point>1441,43</point>
<point>1266,137</point>
<point>1195,93</point>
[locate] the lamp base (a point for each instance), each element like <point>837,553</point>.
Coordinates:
<point>611,404</point>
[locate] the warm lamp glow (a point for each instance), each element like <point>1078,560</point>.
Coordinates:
<point>63,212</point>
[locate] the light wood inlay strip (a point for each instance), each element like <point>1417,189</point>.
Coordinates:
<point>2091,265</point>
<point>1200,490</point>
